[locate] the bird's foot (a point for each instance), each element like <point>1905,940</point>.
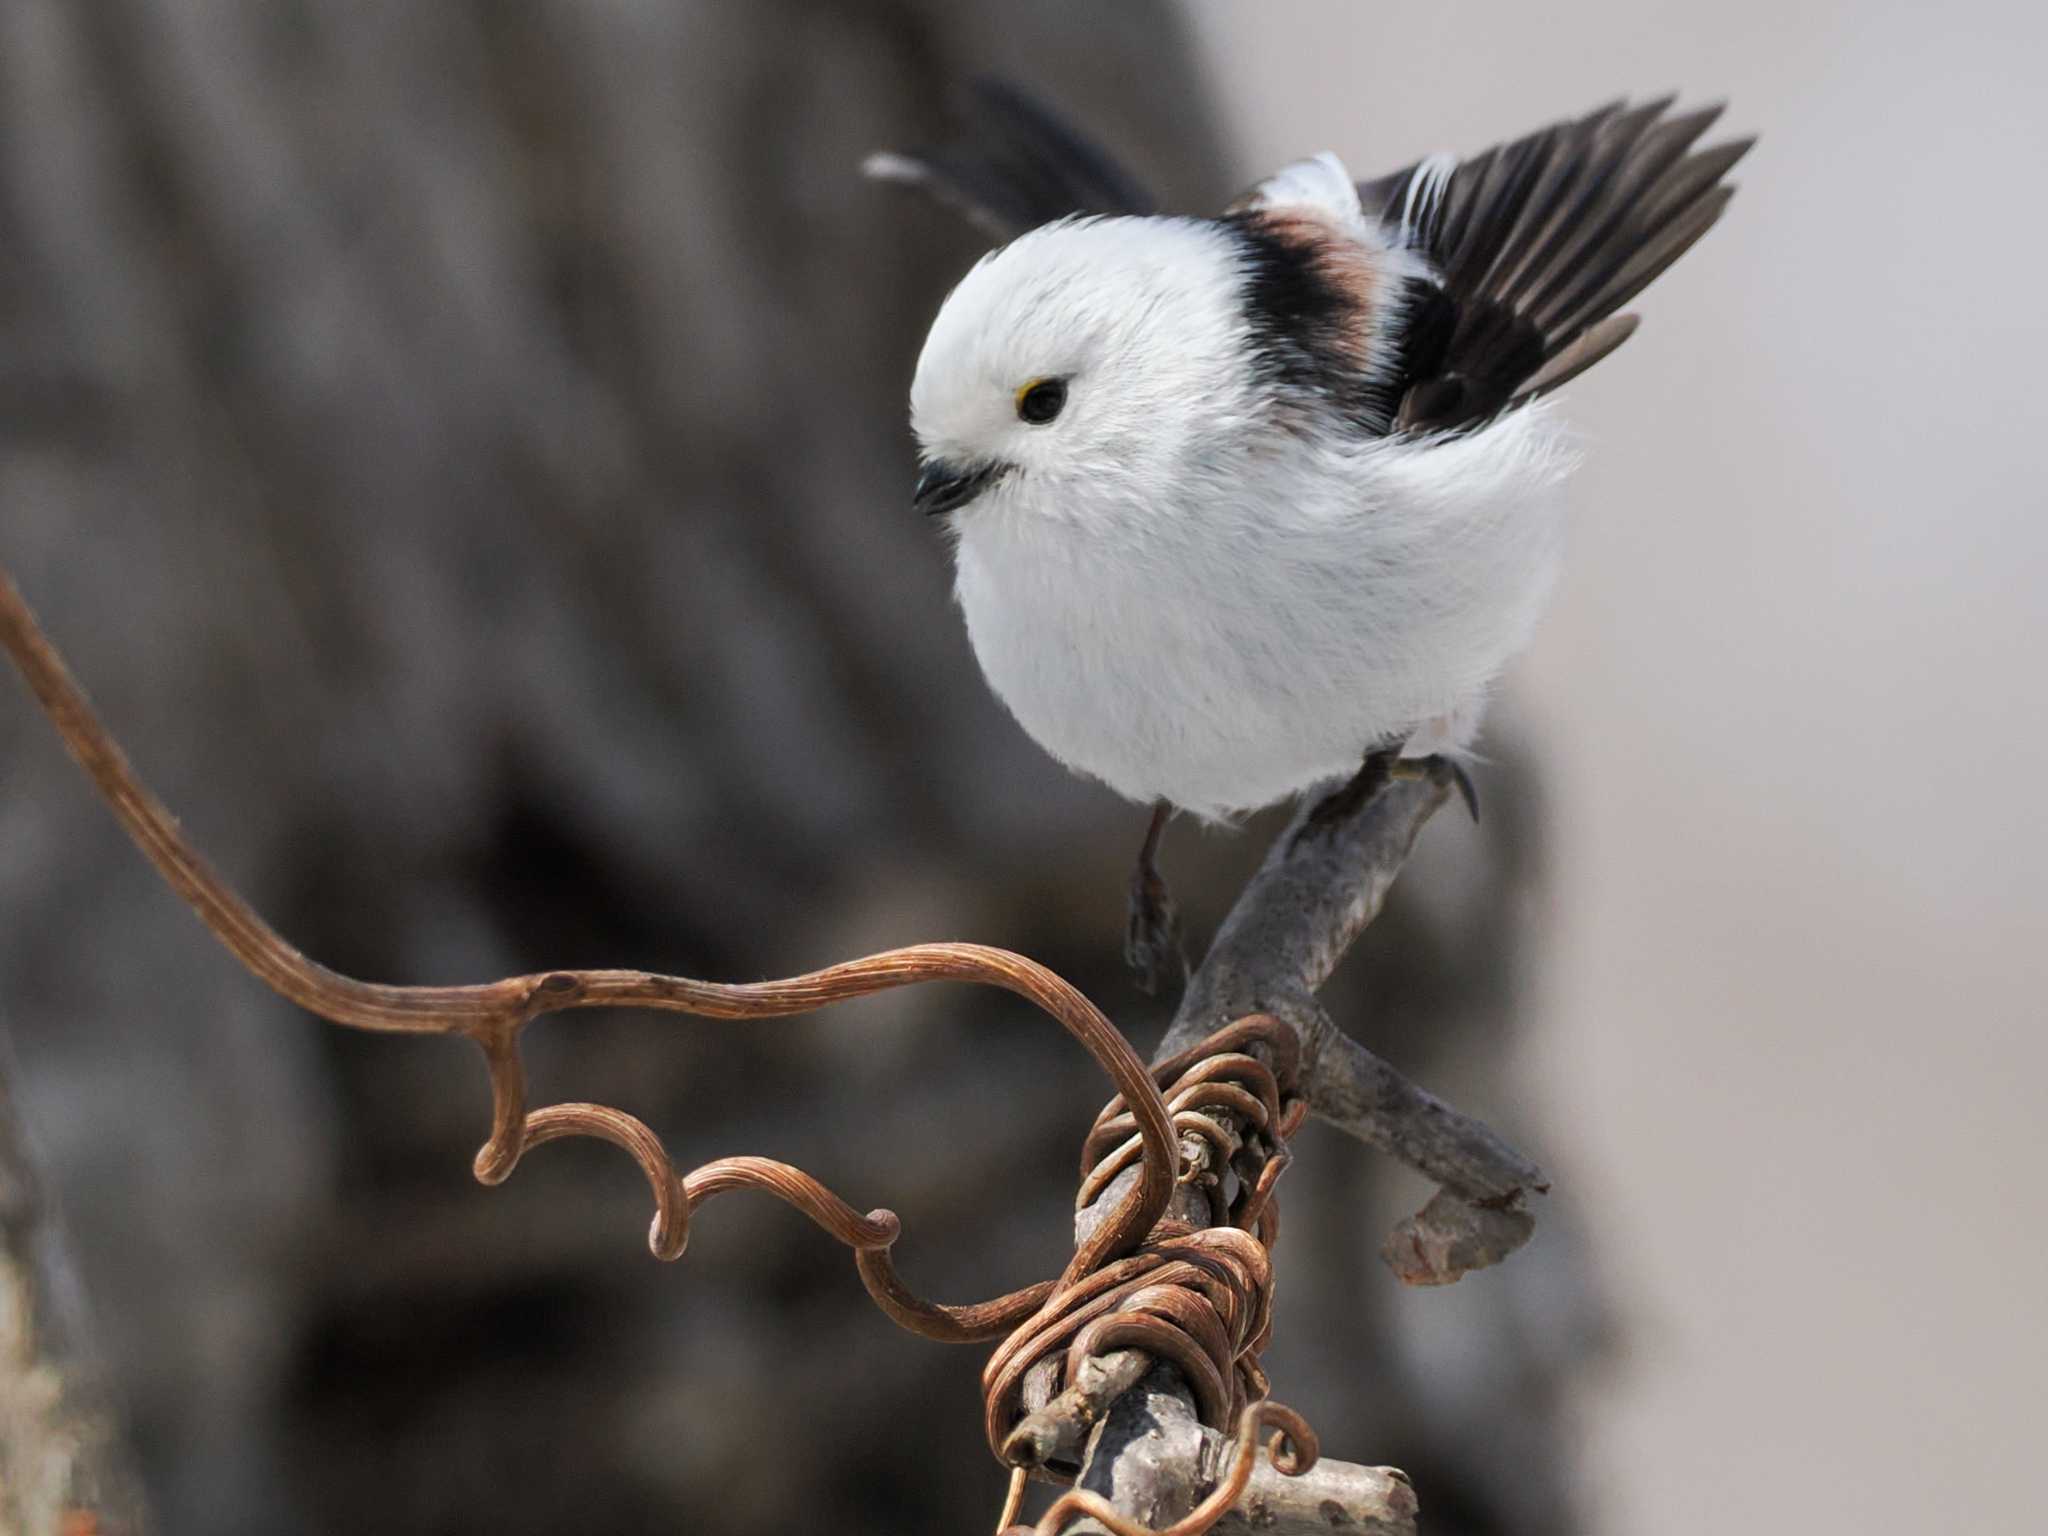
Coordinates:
<point>1381,768</point>
<point>1152,947</point>
<point>1354,794</point>
<point>1440,769</point>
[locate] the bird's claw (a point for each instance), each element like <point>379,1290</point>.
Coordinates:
<point>1381,768</point>
<point>1441,769</point>
<point>1354,794</point>
<point>1152,947</point>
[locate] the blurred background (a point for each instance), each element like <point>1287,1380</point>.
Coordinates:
<point>462,447</point>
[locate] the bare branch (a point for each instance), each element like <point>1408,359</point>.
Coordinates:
<point>1053,1436</point>
<point>1357,1092</point>
<point>1338,1497</point>
<point>1324,879</point>
<point>1450,1237</point>
<point>1169,1463</point>
<point>1163,1490</point>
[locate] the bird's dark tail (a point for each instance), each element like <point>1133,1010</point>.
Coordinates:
<point>1014,165</point>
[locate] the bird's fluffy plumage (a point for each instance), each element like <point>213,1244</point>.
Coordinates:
<point>1286,617</point>
<point>1299,501</point>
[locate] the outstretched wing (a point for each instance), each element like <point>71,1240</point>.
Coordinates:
<point>1015,164</point>
<point>1538,243</point>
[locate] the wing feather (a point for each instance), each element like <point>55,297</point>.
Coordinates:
<point>1537,243</point>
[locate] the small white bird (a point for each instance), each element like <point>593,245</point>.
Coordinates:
<point>1242,503</point>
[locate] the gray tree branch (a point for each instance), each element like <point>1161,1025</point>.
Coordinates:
<point>1166,1461</point>
<point>1323,881</point>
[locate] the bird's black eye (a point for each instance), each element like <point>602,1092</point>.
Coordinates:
<point>1041,400</point>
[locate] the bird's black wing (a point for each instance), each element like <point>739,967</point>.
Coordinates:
<point>1015,164</point>
<point>1538,244</point>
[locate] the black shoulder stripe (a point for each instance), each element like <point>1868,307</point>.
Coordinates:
<point>1305,325</point>
<point>1290,304</point>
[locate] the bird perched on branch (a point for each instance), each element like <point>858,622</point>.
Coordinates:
<point>1243,504</point>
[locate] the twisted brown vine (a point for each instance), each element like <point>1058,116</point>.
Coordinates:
<point>1198,1297</point>
<point>494,1014</point>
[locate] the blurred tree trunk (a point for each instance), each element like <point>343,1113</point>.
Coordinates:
<point>462,445</point>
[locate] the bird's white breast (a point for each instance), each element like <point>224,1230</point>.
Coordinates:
<point>1280,617</point>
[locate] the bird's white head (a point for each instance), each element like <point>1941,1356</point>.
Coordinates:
<point>1094,362</point>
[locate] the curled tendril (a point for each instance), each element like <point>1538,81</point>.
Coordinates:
<point>1199,1297</point>
<point>494,1013</point>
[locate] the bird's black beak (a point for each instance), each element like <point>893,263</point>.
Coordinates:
<point>944,487</point>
